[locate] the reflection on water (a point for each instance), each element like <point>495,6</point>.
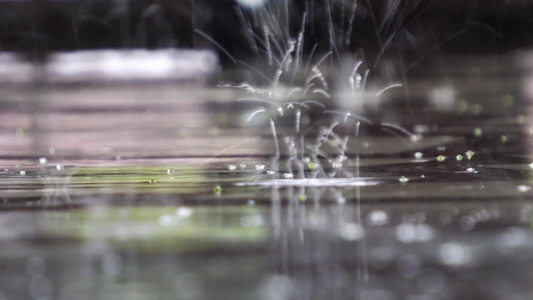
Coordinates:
<point>161,192</point>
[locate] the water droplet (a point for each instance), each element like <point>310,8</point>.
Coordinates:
<point>523,188</point>
<point>288,175</point>
<point>251,202</point>
<point>459,157</point>
<point>59,167</point>
<point>471,170</point>
<point>469,154</point>
<point>259,167</point>
<point>152,181</point>
<point>478,132</point>
<point>504,139</point>
<point>22,172</point>
<point>20,132</point>
<point>416,138</point>
<point>184,212</point>
<point>454,254</point>
<point>441,148</point>
<point>232,167</point>
<point>270,172</point>
<point>217,189</point>
<point>168,220</point>
<point>410,233</point>
<point>43,160</point>
<point>302,197</point>
<point>337,165</point>
<point>403,179</point>
<point>242,166</point>
<point>377,218</point>
<point>170,171</point>
<point>419,155</point>
<point>441,158</point>
<point>252,221</point>
<point>350,231</point>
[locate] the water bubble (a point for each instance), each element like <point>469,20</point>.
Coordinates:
<point>52,151</point>
<point>43,160</point>
<point>350,231</point>
<point>242,166</point>
<point>523,188</point>
<point>441,148</point>
<point>259,167</point>
<point>170,171</point>
<point>288,175</point>
<point>22,172</point>
<point>35,266</point>
<point>232,167</point>
<point>184,212</point>
<point>270,172</point>
<point>445,218</point>
<point>441,158</point>
<point>403,179</point>
<point>217,189</point>
<point>59,167</point>
<point>454,254</point>
<point>251,202</point>
<point>20,132</point>
<point>377,218</point>
<point>467,223</point>
<point>459,157</point>
<point>419,155</point>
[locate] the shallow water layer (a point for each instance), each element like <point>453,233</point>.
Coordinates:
<point>166,192</point>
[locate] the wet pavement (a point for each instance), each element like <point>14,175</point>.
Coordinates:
<point>172,191</point>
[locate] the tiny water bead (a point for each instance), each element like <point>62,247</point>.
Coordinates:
<point>377,218</point>
<point>419,155</point>
<point>217,189</point>
<point>259,167</point>
<point>523,188</point>
<point>441,158</point>
<point>459,157</point>
<point>469,154</point>
<point>232,167</point>
<point>478,132</point>
<point>43,160</point>
<point>312,165</point>
<point>403,179</point>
